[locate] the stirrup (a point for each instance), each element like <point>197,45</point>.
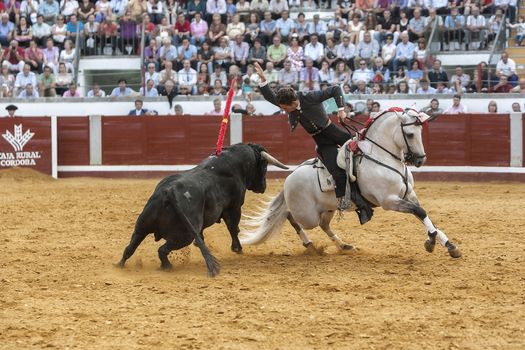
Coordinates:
<point>343,205</point>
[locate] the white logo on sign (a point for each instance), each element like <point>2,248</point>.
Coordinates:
<point>18,140</point>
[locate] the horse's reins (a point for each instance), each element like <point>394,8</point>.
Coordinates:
<point>408,157</point>
<point>351,128</point>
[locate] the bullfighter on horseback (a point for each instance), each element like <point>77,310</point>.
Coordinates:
<point>307,109</point>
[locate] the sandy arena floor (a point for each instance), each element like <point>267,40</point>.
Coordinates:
<point>59,288</point>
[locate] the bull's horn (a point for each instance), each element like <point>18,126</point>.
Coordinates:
<point>271,160</point>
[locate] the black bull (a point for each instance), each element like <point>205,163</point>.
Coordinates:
<point>183,205</point>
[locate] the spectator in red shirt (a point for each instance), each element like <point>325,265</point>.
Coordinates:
<point>503,85</point>
<point>149,27</point>
<point>15,56</point>
<point>108,29</point>
<point>34,56</point>
<point>182,29</point>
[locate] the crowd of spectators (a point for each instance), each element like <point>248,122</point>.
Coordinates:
<point>374,47</point>
<point>199,47</point>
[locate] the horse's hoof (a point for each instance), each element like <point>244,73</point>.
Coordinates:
<point>346,247</point>
<point>308,245</point>
<point>455,253</point>
<point>430,245</point>
<point>120,265</point>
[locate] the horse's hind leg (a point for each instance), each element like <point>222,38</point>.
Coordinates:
<point>304,237</point>
<point>326,218</point>
<point>412,206</point>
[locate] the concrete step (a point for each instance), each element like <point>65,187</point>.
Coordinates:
<point>515,50</point>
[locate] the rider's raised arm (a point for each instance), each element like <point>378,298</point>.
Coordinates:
<point>332,91</point>
<point>268,93</point>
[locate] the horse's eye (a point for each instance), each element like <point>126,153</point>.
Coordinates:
<point>410,135</point>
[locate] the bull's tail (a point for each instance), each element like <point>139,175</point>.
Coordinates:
<point>267,223</point>
<point>211,262</point>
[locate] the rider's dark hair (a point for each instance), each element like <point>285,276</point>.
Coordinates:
<point>285,96</point>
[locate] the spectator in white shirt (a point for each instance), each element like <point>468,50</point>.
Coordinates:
<point>440,6</point>
<point>24,78</point>
<point>187,79</point>
<point>317,26</point>
<point>507,67</point>
<point>277,7</point>
<point>508,7</point>
<point>151,74</point>
<point>477,29</point>
<point>151,91</point>
<point>425,88</point>
<point>326,74</point>
<point>284,26</point>
<point>457,107</point>
<point>28,92</point>
<point>217,108</point>
<point>346,51</point>
<point>362,73</point>
<point>367,49</point>
<point>336,26</point>
<point>96,92</point>
<point>314,50</point>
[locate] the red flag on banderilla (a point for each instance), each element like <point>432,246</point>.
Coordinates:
<point>224,122</point>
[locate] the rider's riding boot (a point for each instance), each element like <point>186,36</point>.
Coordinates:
<point>364,210</point>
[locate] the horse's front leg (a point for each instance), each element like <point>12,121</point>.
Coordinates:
<point>412,206</point>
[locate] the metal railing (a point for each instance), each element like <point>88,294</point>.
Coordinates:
<point>433,44</point>
<point>77,54</point>
<point>500,42</point>
<point>142,47</point>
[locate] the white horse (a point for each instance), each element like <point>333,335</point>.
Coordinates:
<point>391,140</point>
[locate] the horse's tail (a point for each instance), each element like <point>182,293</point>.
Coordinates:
<point>267,223</point>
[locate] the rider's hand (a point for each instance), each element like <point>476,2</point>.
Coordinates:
<point>341,115</point>
<point>260,72</point>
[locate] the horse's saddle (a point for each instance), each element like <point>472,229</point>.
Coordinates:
<point>345,160</point>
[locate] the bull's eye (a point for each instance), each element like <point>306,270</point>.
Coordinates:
<point>410,136</point>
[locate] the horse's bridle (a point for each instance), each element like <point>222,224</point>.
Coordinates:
<point>409,156</point>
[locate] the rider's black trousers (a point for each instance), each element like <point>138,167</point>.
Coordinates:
<point>327,142</point>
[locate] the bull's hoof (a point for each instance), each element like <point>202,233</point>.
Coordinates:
<point>237,250</point>
<point>120,264</point>
<point>213,271</point>
<point>166,267</point>
<point>430,245</point>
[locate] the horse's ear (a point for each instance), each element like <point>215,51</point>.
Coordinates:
<point>399,115</point>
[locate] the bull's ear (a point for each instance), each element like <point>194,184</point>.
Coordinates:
<point>257,148</point>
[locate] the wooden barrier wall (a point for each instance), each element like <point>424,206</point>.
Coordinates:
<point>471,139</point>
<point>158,140</point>
<point>73,140</point>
